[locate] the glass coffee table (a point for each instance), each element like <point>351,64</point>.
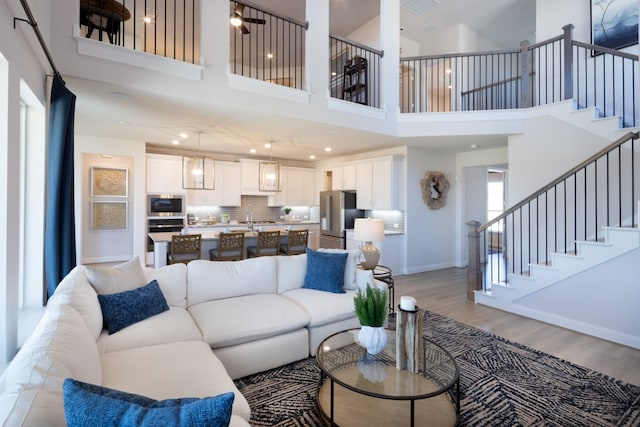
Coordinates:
<point>357,388</point>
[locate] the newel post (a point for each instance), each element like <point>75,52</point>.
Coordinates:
<point>568,61</point>
<point>474,274</point>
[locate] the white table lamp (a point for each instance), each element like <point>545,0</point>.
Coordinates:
<point>369,230</point>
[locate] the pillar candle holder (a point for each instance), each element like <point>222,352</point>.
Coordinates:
<point>409,339</point>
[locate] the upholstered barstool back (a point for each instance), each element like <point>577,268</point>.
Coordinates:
<point>267,244</point>
<point>230,247</point>
<point>185,248</point>
<point>296,242</point>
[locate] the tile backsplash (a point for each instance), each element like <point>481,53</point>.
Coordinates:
<point>258,204</point>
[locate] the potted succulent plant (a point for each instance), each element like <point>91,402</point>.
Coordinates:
<point>287,213</point>
<point>371,309</point>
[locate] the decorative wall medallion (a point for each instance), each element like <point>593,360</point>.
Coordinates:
<point>434,187</point>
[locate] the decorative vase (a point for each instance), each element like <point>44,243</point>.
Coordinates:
<point>373,338</point>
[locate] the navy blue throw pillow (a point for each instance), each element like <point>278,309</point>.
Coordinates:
<point>126,308</point>
<point>325,271</point>
<point>91,405</point>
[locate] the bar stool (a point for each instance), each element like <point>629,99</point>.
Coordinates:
<point>185,248</point>
<point>296,243</point>
<point>230,247</point>
<point>267,244</point>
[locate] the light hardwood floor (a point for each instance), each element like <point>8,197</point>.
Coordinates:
<point>445,292</point>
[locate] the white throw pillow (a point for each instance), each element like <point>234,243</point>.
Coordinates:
<point>119,278</point>
<point>353,259</point>
<point>173,282</point>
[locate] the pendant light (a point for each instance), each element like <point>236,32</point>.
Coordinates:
<point>198,171</point>
<point>269,175</point>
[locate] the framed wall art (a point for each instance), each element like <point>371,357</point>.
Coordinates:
<point>614,23</point>
<point>109,182</point>
<point>108,216</point>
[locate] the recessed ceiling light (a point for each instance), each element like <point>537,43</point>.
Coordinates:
<point>474,146</point>
<point>184,135</point>
<point>333,73</point>
<point>267,145</point>
<point>252,151</point>
<point>146,20</point>
<point>270,55</point>
<point>312,157</point>
<point>448,71</point>
<point>327,149</point>
<point>175,142</point>
<point>124,123</point>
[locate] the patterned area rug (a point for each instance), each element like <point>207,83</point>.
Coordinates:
<point>502,384</point>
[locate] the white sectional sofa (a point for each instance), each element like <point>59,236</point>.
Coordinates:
<point>225,320</point>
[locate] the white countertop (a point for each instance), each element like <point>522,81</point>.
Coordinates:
<point>255,224</point>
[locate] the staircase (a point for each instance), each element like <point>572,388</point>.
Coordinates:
<point>570,255</point>
<point>601,276</point>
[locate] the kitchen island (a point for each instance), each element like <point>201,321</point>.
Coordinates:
<point>162,240</point>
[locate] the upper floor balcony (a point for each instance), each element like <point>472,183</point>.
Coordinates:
<point>241,56</point>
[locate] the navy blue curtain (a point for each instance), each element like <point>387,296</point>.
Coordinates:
<point>59,228</point>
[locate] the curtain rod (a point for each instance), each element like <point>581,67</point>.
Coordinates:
<point>32,22</point>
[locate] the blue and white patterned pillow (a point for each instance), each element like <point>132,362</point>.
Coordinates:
<point>126,308</point>
<point>325,271</point>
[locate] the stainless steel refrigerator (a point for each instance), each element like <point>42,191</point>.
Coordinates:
<point>337,214</point>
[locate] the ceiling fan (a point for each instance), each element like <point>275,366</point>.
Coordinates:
<point>237,20</point>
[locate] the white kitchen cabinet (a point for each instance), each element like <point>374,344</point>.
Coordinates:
<point>250,178</point>
<point>376,180</point>
<point>228,183</point>
<point>227,188</point>
<point>343,177</point>
<point>164,174</point>
<point>301,186</point>
<point>298,188</point>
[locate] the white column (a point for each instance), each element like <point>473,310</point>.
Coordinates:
<point>317,49</point>
<point>390,44</point>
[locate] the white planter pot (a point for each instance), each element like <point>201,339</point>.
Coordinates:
<point>374,339</point>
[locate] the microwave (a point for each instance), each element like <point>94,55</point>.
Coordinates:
<point>165,205</point>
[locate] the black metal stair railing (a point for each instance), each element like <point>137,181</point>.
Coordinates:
<point>267,47</point>
<point>602,191</point>
<point>161,27</point>
<point>343,53</point>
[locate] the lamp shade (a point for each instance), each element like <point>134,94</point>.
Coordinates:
<point>368,230</point>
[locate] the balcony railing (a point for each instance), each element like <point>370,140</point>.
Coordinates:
<point>550,71</point>
<point>266,46</point>
<point>355,72</point>
<point>162,27</point>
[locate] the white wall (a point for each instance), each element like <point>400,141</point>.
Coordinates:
<point>430,235</point>
<point>101,247</point>
<point>552,15</point>
<point>459,38</point>
<point>612,315</point>
<point>547,149</point>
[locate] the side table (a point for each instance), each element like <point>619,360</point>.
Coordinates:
<point>383,273</point>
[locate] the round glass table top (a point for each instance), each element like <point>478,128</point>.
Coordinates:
<point>342,359</point>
